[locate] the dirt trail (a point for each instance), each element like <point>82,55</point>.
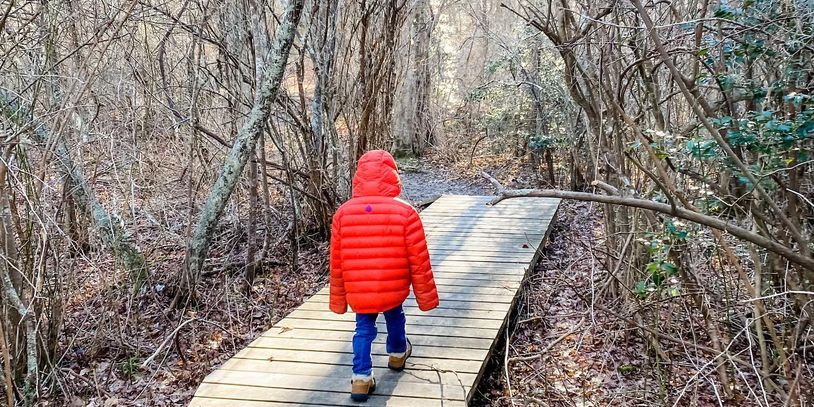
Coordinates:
<point>423,180</point>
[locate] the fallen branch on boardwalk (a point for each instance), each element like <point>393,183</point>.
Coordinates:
<point>679,212</point>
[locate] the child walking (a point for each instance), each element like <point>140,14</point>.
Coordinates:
<point>378,249</point>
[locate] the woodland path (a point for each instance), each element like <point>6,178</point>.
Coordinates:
<point>480,256</point>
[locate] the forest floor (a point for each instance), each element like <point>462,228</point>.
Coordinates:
<point>135,350</point>
<point>558,353</point>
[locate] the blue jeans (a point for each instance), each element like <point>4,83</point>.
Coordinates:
<point>366,332</point>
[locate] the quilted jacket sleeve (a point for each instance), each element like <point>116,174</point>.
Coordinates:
<point>338,302</point>
<point>420,268</point>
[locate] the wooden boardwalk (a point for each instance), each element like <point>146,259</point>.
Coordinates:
<point>480,256</point>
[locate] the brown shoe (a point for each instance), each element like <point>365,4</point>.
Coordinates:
<point>360,389</point>
<point>397,362</point>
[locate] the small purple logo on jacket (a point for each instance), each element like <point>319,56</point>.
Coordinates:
<point>368,208</point>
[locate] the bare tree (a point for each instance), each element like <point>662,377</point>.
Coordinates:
<point>675,113</point>
<point>241,151</point>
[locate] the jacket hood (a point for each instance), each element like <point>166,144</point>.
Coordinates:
<point>376,175</point>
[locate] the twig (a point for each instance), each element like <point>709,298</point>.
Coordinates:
<point>439,371</point>
<point>605,187</point>
<point>506,366</point>
<point>790,292</point>
<point>534,318</point>
<point>426,202</point>
<point>165,342</point>
<point>498,186</point>
<point>801,196</point>
<point>548,347</point>
<point>709,363</point>
<point>7,368</point>
<point>475,146</point>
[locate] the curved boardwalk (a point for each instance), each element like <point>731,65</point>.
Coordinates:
<point>480,255</point>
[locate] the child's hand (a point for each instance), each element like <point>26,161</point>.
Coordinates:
<point>338,308</point>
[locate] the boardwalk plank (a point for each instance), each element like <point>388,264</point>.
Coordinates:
<point>472,238</point>
<point>346,359</point>
<point>485,248</point>
<point>415,319</point>
<point>423,351</point>
<point>472,292</point>
<point>480,256</point>
<point>416,339</point>
<point>472,272</point>
<point>239,394</point>
<point>490,257</point>
<point>385,385</point>
<point>412,310</point>
<point>200,401</point>
<point>465,281</point>
<point>451,230</point>
<point>496,223</point>
<point>446,304</point>
<point>484,213</point>
<point>415,315</point>
<point>455,296</point>
<point>437,377</point>
<point>510,270</point>
<point>481,266</point>
<point>472,280</point>
<point>437,330</point>
<point>431,215</point>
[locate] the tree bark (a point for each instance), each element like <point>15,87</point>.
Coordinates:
<point>240,153</point>
<point>418,128</point>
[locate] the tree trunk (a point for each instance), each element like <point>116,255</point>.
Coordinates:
<point>322,44</point>
<point>412,122</point>
<point>8,264</point>
<point>251,229</point>
<point>107,225</point>
<point>241,151</point>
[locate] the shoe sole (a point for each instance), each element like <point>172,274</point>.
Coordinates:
<point>360,397</point>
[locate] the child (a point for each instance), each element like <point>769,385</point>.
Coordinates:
<point>378,249</point>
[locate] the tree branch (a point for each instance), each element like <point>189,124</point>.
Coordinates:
<point>706,220</point>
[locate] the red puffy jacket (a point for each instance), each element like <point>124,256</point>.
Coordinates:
<point>378,246</point>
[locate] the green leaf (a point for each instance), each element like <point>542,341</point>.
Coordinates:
<point>744,180</point>
<point>654,268</point>
<point>669,268</point>
<point>627,369</point>
<point>703,149</point>
<point>640,288</point>
<point>727,82</point>
<point>674,231</point>
<point>723,121</point>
